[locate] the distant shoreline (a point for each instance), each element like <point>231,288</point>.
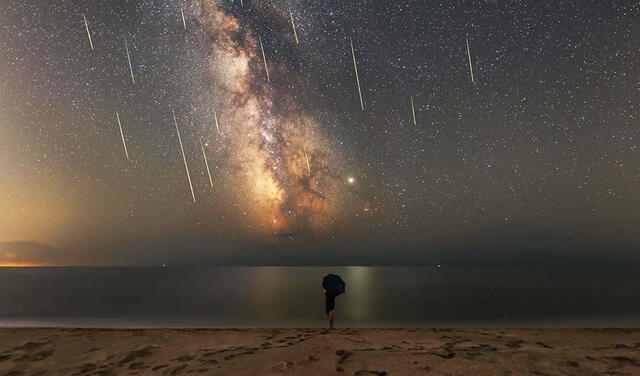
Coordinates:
<point>317,351</point>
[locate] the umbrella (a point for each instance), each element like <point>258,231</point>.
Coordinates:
<point>333,283</point>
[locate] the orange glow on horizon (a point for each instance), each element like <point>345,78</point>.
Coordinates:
<point>4,264</point>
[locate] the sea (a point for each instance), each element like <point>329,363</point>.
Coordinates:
<point>376,297</point>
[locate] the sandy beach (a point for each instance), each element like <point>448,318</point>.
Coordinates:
<point>360,352</point>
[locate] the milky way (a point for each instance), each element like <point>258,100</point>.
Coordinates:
<point>264,147</point>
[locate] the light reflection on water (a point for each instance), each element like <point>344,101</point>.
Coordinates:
<point>292,297</point>
<point>360,292</point>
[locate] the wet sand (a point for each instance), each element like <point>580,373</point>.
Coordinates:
<point>359,352</point>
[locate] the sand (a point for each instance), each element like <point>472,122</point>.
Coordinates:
<point>306,352</point>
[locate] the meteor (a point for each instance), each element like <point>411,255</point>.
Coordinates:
<point>264,58</point>
<point>186,167</point>
<point>413,111</point>
<point>469,56</point>
<point>293,24</point>
<point>215,116</point>
<point>204,154</point>
<point>86,25</point>
<point>184,23</point>
<point>306,158</point>
<point>355,68</point>
<point>122,136</point>
<point>126,47</point>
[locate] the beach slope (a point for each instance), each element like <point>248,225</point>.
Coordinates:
<point>360,352</point>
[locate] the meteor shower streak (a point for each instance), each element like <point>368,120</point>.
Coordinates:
<point>293,25</point>
<point>86,25</point>
<point>126,47</point>
<point>124,143</point>
<point>206,163</point>
<point>264,58</point>
<point>306,158</point>
<point>469,57</point>
<point>355,68</point>
<point>184,157</point>
<point>215,117</point>
<point>413,111</point>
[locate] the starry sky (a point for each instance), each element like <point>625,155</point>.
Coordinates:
<point>249,141</point>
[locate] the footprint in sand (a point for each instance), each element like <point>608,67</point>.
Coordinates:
<point>515,344</point>
<point>32,345</point>
<point>137,365</point>
<point>5,355</point>
<point>30,351</point>
<point>447,355</point>
<point>208,354</point>
<point>626,360</point>
<point>570,363</point>
<point>88,367</point>
<point>344,355</point>
<point>38,355</point>
<point>371,373</point>
<point>179,370</point>
<point>136,354</point>
<point>283,367</point>
<point>185,358</point>
<point>544,345</point>
<point>483,347</point>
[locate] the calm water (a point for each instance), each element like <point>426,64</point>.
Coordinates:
<point>292,297</point>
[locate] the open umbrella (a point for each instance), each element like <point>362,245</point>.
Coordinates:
<point>333,283</point>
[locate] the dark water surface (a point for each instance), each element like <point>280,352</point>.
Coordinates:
<point>292,297</point>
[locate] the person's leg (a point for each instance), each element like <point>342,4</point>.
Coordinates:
<point>330,305</point>
<point>331,318</point>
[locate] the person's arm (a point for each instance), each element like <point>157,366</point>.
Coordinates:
<point>324,291</point>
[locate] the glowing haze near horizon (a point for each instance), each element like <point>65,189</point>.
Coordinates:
<point>540,152</point>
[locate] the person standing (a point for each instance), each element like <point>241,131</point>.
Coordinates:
<point>330,305</point>
<point>332,285</point>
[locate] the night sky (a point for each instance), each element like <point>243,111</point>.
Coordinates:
<point>534,160</point>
